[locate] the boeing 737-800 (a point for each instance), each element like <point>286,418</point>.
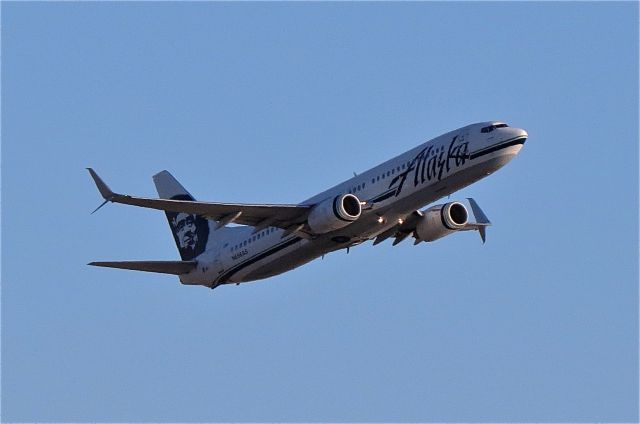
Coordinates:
<point>383,202</point>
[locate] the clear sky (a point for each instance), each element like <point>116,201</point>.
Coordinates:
<point>274,102</point>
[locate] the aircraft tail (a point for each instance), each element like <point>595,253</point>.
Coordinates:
<point>190,232</point>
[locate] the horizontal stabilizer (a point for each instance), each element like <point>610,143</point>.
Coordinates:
<point>163,267</point>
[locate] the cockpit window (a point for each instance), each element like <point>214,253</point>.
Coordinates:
<point>493,127</point>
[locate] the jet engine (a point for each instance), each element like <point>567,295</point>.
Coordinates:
<point>333,214</point>
<point>441,220</point>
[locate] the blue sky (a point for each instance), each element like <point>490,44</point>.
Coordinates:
<point>274,102</point>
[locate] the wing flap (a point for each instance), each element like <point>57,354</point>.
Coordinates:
<point>162,267</point>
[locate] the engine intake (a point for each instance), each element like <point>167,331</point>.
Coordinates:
<point>333,214</point>
<point>441,220</point>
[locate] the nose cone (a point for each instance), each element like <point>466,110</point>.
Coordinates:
<point>521,133</point>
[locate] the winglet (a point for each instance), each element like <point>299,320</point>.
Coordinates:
<point>482,222</point>
<point>483,233</point>
<point>481,218</point>
<point>103,188</point>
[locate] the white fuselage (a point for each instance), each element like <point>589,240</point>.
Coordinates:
<point>392,191</point>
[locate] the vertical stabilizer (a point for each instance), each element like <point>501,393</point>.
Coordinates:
<point>168,187</point>
<point>190,232</point>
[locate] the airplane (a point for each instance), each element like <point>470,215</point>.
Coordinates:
<point>384,202</point>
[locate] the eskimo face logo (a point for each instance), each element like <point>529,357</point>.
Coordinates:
<point>190,231</point>
<point>185,227</point>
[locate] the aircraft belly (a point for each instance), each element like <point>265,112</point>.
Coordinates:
<point>287,259</point>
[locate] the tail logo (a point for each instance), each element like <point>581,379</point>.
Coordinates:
<point>191,232</point>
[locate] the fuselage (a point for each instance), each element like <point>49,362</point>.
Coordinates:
<point>390,192</point>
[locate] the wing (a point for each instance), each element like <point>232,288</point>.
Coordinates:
<point>259,216</point>
<point>401,231</point>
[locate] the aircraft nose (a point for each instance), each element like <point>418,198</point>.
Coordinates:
<point>521,133</point>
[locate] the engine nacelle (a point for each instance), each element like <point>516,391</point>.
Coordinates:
<point>333,214</point>
<point>441,220</point>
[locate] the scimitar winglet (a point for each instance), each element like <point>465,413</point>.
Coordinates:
<point>482,222</point>
<point>103,188</point>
